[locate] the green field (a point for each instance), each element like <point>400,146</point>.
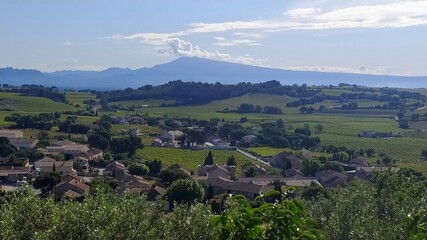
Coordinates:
<point>26,104</point>
<point>189,159</point>
<point>78,98</point>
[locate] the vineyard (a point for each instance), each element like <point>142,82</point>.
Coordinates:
<point>189,159</point>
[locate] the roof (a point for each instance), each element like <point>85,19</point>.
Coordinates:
<point>57,164</point>
<point>216,167</point>
<point>46,159</point>
<point>10,131</point>
<point>72,194</point>
<point>292,172</point>
<point>75,147</point>
<point>268,180</point>
<point>237,186</point>
<point>63,143</point>
<point>20,141</point>
<point>157,189</point>
<point>379,169</point>
<point>91,153</point>
<point>74,184</point>
<point>14,170</point>
<point>114,165</point>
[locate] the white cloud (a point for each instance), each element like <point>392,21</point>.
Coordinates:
<point>249,35</point>
<point>301,12</point>
<point>67,44</point>
<point>179,47</point>
<point>222,42</point>
<point>362,69</point>
<point>391,15</point>
<point>148,38</point>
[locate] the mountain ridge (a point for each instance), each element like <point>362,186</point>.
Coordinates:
<point>197,70</point>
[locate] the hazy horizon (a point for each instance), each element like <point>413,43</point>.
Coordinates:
<point>369,37</point>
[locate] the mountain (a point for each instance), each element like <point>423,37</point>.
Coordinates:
<point>197,69</point>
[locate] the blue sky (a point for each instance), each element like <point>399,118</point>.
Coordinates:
<point>378,37</point>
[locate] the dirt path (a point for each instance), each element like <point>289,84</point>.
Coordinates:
<point>12,107</point>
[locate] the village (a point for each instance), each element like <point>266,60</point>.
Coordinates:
<point>83,167</point>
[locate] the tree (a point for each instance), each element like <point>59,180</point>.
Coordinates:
<point>185,191</point>
<point>280,124</point>
<point>280,220</point>
<point>98,141</point>
<point>250,172</point>
<point>231,161</point>
<point>310,167</point>
<point>154,167</point>
<point>387,161</point>
<point>6,149</point>
<point>47,181</point>
<point>343,156</point>
<point>209,159</point>
<point>424,154</point>
<point>138,169</point>
<point>318,128</point>
<point>370,152</point>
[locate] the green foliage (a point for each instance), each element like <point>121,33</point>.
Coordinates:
<point>366,211</point>
<point>154,167</point>
<point>250,172</point>
<point>281,220</point>
<point>6,149</point>
<point>101,216</point>
<point>47,181</point>
<point>98,141</point>
<point>138,169</point>
<point>424,154</point>
<point>126,145</point>
<point>231,161</point>
<point>209,159</point>
<point>185,191</point>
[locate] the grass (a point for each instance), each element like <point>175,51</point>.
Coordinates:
<point>78,98</point>
<point>27,104</point>
<point>189,159</point>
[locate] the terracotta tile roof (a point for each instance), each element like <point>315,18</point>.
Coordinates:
<point>238,186</point>
<point>46,159</point>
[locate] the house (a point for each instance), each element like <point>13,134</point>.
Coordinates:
<point>219,171</point>
<point>367,172</point>
<point>75,149</point>
<point>11,133</point>
<point>23,142</point>
<point>62,167</point>
<point>292,172</point>
<point>157,142</point>
<point>155,192</point>
<point>202,170</point>
<point>62,143</point>
<point>250,190</point>
<point>72,187</point>
<point>251,139</point>
<point>331,178</point>
<point>37,164</point>
<point>179,168</point>
<point>268,180</point>
<point>171,136</point>
<point>78,137</point>
<point>285,160</point>
<point>14,174</point>
<point>128,183</point>
<point>93,154</point>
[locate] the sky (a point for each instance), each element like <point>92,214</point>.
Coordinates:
<point>374,37</point>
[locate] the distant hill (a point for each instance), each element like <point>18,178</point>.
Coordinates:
<point>198,70</point>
